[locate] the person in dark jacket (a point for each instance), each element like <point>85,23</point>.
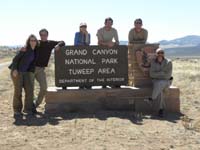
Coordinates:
<point>43,53</point>
<point>22,74</point>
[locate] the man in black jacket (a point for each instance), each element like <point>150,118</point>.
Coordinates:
<point>43,54</point>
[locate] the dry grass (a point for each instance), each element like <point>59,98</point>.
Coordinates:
<point>106,130</point>
<point>187,77</point>
<point>6,55</point>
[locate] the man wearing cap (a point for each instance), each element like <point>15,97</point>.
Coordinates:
<point>106,34</point>
<point>161,74</point>
<point>137,38</point>
<point>82,37</point>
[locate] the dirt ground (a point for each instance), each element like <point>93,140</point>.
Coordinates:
<point>104,130</point>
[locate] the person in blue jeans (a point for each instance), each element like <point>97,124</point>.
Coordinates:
<point>82,38</point>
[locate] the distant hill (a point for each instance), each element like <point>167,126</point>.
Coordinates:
<point>183,51</point>
<point>187,41</point>
<point>184,46</point>
<point>187,46</point>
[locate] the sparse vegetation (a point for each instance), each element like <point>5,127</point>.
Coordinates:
<point>106,130</point>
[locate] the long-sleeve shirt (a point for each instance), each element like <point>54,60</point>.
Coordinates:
<point>44,50</point>
<point>135,37</point>
<point>81,39</point>
<point>107,36</point>
<point>24,61</point>
<point>161,70</point>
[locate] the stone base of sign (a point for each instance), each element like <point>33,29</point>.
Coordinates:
<point>127,98</point>
<point>138,75</point>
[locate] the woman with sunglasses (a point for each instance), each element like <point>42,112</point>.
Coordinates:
<point>22,74</point>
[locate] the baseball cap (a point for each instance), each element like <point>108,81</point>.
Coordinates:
<point>83,24</point>
<point>159,50</point>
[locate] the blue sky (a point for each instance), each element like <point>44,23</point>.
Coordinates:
<point>164,19</point>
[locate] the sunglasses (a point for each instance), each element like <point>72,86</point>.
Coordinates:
<point>83,27</point>
<point>138,23</point>
<point>160,53</point>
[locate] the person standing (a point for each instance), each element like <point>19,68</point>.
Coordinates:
<point>43,54</point>
<point>22,74</point>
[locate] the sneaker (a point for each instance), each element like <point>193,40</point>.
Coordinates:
<point>27,113</point>
<point>161,113</point>
<point>17,114</point>
<point>149,101</point>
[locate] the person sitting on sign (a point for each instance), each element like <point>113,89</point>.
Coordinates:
<point>82,38</point>
<point>137,38</point>
<point>161,74</point>
<point>106,35</point>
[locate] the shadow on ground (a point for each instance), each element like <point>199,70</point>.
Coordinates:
<point>42,119</point>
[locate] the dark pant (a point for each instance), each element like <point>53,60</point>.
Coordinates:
<point>23,80</point>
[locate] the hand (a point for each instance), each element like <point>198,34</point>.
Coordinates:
<point>23,49</point>
<point>111,44</point>
<point>15,73</point>
<point>85,32</point>
<point>57,47</point>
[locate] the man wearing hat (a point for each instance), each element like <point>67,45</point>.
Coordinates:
<point>161,74</point>
<point>82,37</point>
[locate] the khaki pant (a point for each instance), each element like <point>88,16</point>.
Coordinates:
<point>23,80</point>
<point>40,76</point>
<point>159,86</point>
